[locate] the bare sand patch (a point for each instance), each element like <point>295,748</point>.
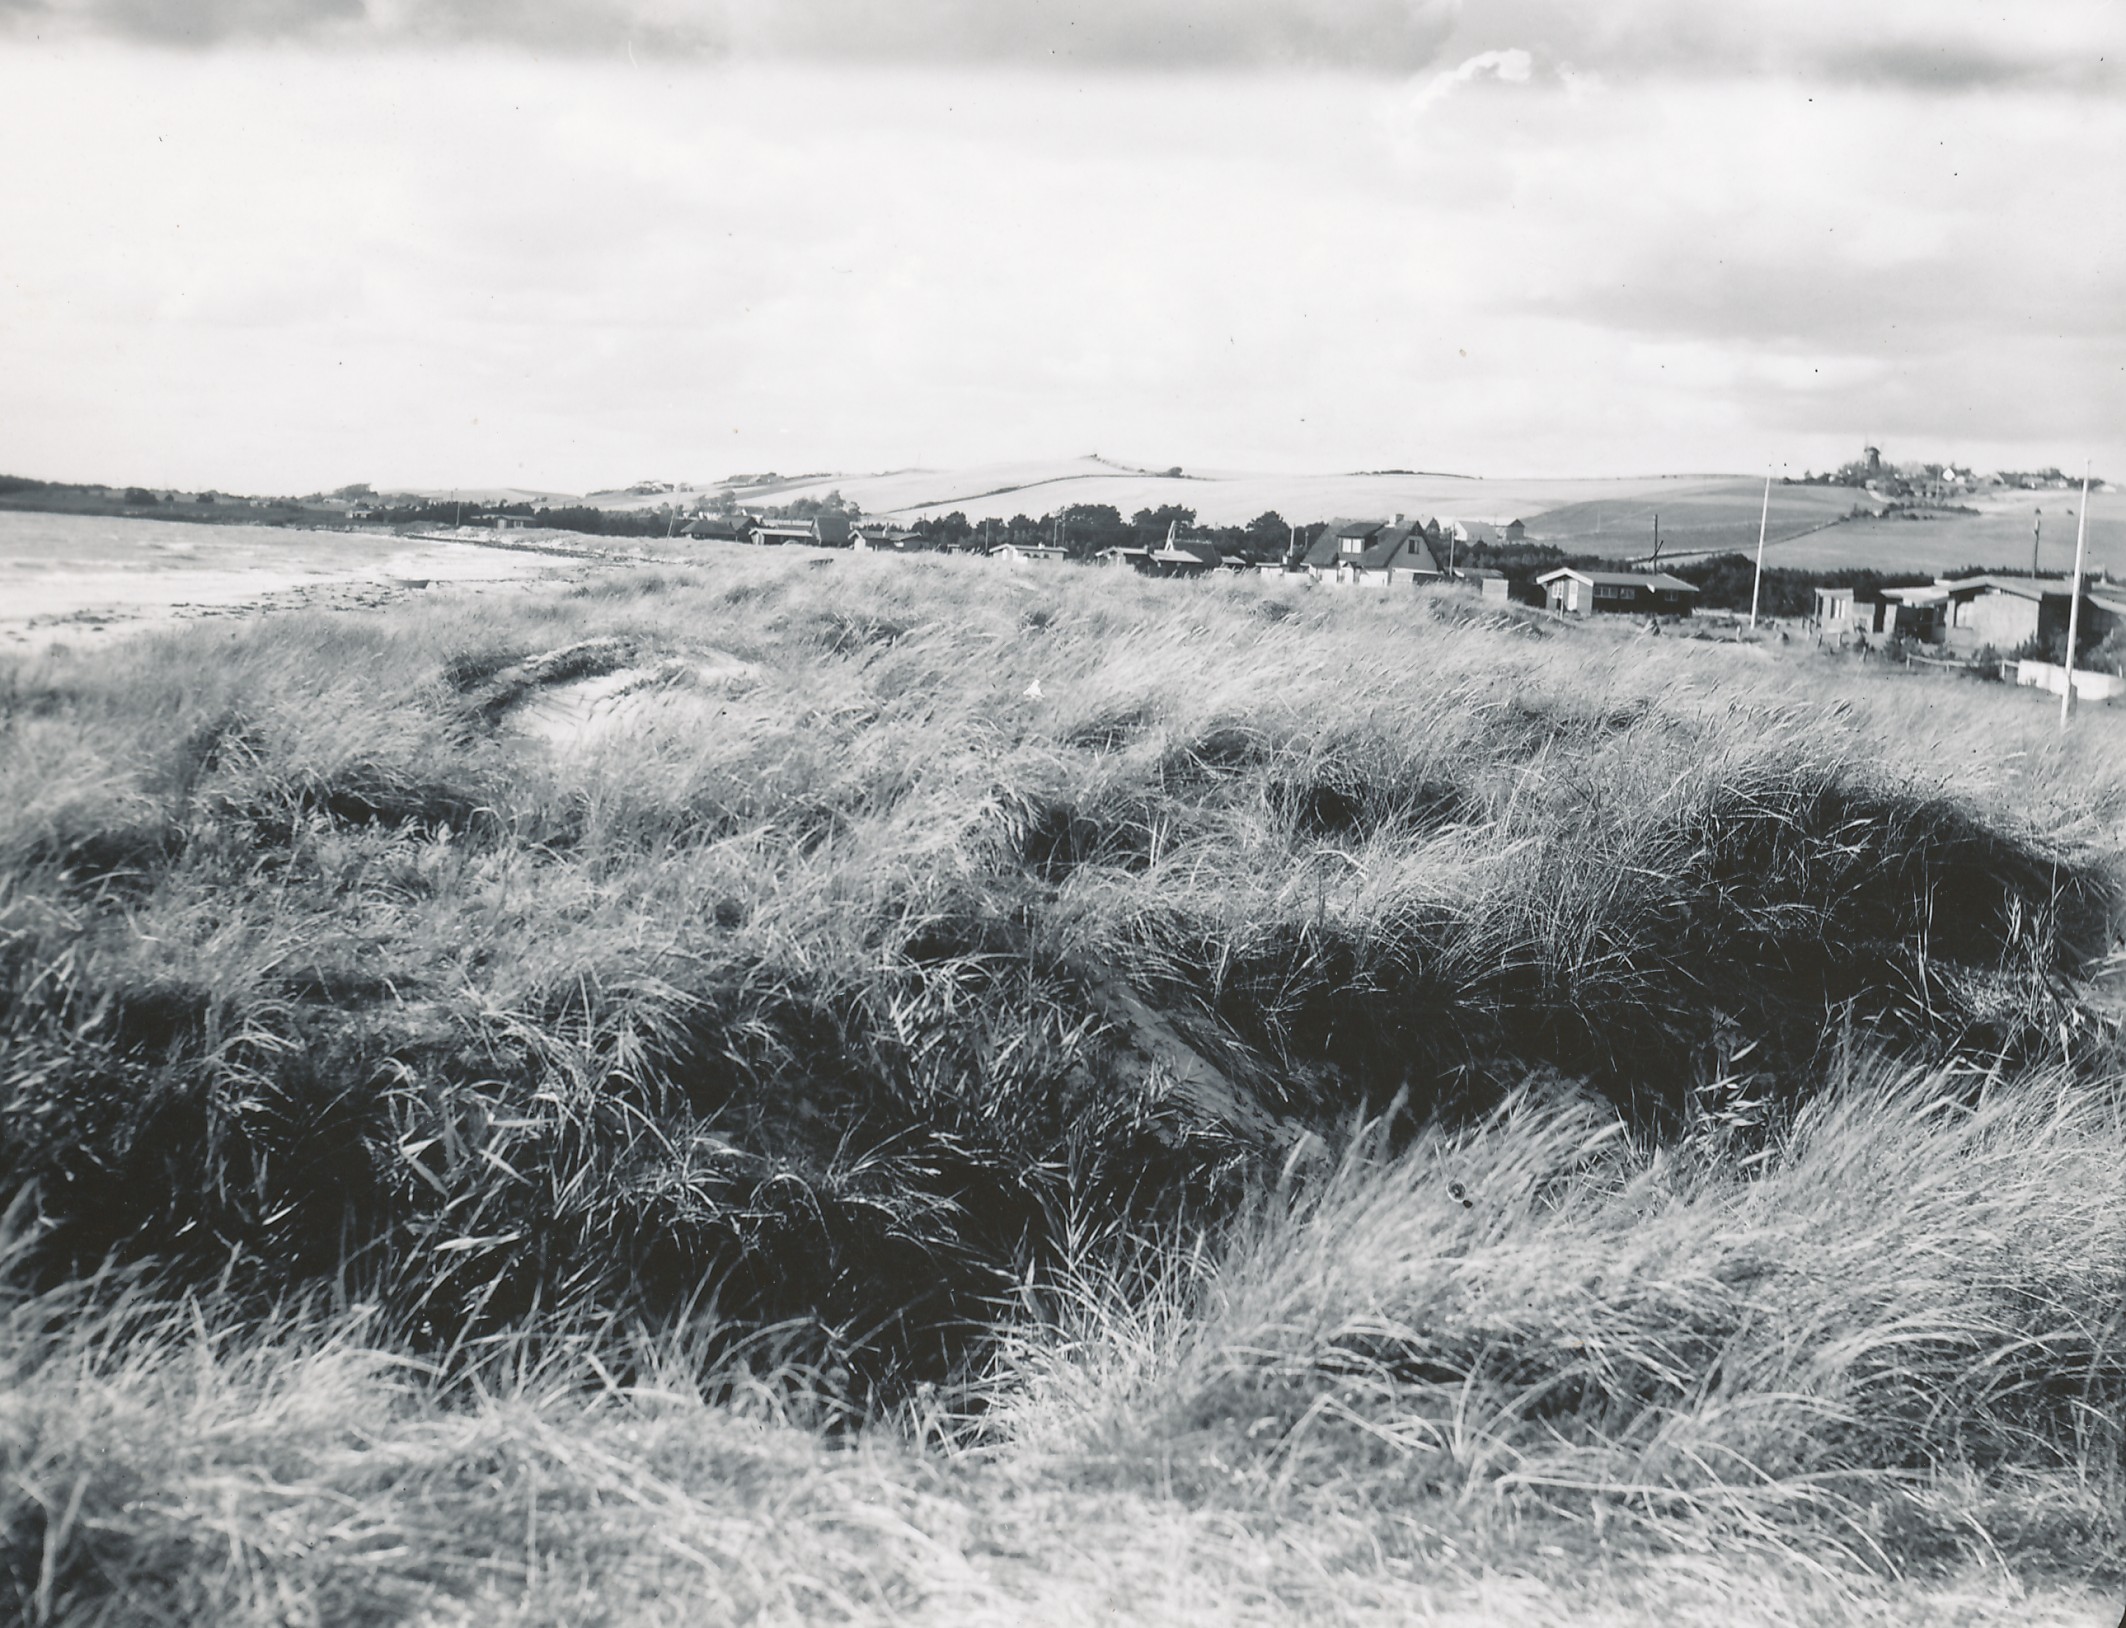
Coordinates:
<point>671,695</point>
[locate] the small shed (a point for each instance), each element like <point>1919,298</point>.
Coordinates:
<point>1184,557</point>
<point>720,528</point>
<point>1492,586</point>
<point>1134,559</point>
<point>2006,613</point>
<point>1571,591</point>
<point>821,531</point>
<point>874,537</point>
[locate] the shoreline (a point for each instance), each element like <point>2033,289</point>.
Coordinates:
<point>87,580</point>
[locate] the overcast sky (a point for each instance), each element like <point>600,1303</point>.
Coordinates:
<point>287,244</point>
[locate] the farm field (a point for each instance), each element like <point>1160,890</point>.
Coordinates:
<point>1999,535</point>
<point>810,1088</point>
<point>1712,517</point>
<point>1808,529</point>
<point>1218,497</point>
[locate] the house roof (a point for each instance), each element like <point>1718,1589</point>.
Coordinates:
<point>2030,588</point>
<point>1659,581</point>
<point>2039,588</point>
<point>717,525</point>
<point>2020,587</point>
<point>1187,551</point>
<point>1382,545</point>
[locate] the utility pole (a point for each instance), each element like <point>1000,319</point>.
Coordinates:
<point>1657,535</point>
<point>1764,520</point>
<point>2074,603</point>
<point>2037,530</point>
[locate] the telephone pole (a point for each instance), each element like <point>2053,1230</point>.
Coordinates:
<point>1764,520</point>
<point>2074,602</point>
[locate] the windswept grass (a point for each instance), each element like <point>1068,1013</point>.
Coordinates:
<point>892,954</point>
<point>1527,1367</point>
<point>1897,1342</point>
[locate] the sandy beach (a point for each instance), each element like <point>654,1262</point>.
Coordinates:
<point>67,578</point>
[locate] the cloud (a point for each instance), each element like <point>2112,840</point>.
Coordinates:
<point>1929,45</point>
<point>566,272</point>
<point>1946,46</point>
<point>1512,66</point>
<point>1394,35</point>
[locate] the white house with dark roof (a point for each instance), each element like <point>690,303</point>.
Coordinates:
<point>1376,551</point>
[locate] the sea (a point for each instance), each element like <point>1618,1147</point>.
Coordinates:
<point>81,569</point>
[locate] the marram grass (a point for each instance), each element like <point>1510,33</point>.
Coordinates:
<point>811,1077</point>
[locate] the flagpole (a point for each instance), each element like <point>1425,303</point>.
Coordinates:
<point>1763,522</point>
<point>2074,600</point>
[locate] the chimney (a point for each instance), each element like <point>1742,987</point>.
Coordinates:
<point>1398,518</point>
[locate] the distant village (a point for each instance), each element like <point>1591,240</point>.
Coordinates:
<point>1932,483</point>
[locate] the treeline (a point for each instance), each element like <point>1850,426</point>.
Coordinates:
<point>65,497</point>
<point>579,517</point>
<point>1086,529</point>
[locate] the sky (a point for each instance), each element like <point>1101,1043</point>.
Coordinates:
<point>283,245</point>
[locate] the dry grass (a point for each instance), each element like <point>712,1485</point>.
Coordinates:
<point>1880,1376</point>
<point>966,976</point>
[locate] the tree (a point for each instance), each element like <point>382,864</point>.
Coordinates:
<point>1090,527</point>
<point>140,496</point>
<point>950,529</point>
<point>1266,536</point>
<point>360,488</point>
<point>1152,524</point>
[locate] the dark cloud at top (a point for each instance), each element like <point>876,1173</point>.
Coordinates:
<point>1390,35</point>
<point>1942,45</point>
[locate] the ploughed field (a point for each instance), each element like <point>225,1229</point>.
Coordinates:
<point>902,1089</point>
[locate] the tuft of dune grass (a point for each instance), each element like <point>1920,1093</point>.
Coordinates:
<point>1893,1341</point>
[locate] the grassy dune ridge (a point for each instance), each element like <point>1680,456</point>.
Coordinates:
<point>1171,1060</point>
